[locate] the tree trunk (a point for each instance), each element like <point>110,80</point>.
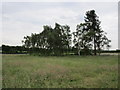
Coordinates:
<point>79,47</point>
<point>79,52</point>
<point>94,46</point>
<point>95,50</point>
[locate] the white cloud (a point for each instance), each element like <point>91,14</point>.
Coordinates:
<point>18,23</point>
<point>14,31</point>
<point>110,25</point>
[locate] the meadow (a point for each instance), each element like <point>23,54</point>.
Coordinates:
<point>25,71</point>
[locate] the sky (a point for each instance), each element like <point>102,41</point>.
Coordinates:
<point>23,18</point>
<point>119,25</point>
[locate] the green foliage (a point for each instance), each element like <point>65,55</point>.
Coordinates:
<point>89,38</point>
<point>89,35</point>
<point>98,37</point>
<point>53,41</point>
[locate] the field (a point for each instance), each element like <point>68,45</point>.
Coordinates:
<point>25,71</point>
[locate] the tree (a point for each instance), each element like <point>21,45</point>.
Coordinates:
<point>98,36</point>
<point>62,38</point>
<point>89,35</point>
<point>51,41</point>
<point>66,37</point>
<point>82,39</point>
<point>27,42</point>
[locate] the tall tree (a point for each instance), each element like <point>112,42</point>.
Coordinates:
<point>98,36</point>
<point>89,35</point>
<point>62,38</point>
<point>67,37</point>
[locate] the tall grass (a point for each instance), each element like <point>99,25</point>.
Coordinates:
<point>24,71</point>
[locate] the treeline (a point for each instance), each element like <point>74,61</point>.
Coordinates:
<point>88,39</point>
<point>110,51</point>
<point>51,41</point>
<point>6,49</point>
<point>14,49</point>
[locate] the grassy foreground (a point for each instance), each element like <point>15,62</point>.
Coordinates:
<point>24,71</point>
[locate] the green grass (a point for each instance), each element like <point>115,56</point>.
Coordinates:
<point>24,71</point>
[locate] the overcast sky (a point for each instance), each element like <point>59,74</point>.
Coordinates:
<point>23,18</point>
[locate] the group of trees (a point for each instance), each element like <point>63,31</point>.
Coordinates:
<point>51,41</point>
<point>89,38</point>
<point>13,49</point>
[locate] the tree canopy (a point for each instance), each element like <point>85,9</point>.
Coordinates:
<point>89,38</point>
<point>54,41</point>
<point>89,35</point>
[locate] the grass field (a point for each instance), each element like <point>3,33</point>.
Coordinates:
<point>24,71</point>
